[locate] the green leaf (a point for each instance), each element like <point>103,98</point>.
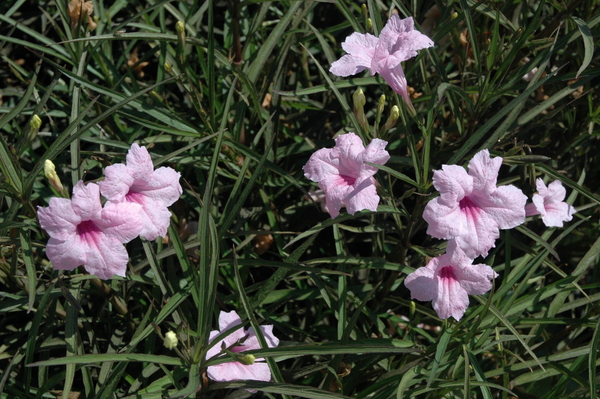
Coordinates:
<point>588,44</point>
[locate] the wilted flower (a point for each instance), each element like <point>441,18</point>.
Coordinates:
<point>343,174</point>
<point>549,202</point>
<point>247,367</point>
<point>448,280</point>
<point>397,42</point>
<point>470,208</point>
<point>137,182</point>
<point>80,10</point>
<point>83,233</point>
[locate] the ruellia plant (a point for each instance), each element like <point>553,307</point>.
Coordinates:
<point>299,199</point>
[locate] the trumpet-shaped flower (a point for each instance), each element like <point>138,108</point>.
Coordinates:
<point>448,280</point>
<point>83,233</point>
<point>470,208</point>
<point>398,41</point>
<point>343,174</point>
<point>549,202</point>
<point>137,182</point>
<point>240,340</point>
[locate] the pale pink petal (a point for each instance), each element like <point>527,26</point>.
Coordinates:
<point>347,65</point>
<point>163,186</point>
<point>154,216</point>
<point>484,171</point>
<point>59,219</point>
<point>65,255</point>
<point>216,348</point>
<point>557,213</point>
<point>362,196</point>
<point>121,220</point>
<point>117,182</point>
<point>397,25</point>
<point>349,148</point>
<point>360,49</point>
<point>454,183</point>
<point>506,205</point>
<point>232,371</point>
<point>139,162</point>
<point>267,331</point>
<point>374,153</point>
<point>86,201</point>
<point>476,279</point>
<point>421,282</point>
<point>106,257</point>
<point>479,234</point>
<point>397,81</point>
<point>555,192</point>
<point>229,320</point>
<point>452,299</point>
<point>361,46</point>
<point>321,165</point>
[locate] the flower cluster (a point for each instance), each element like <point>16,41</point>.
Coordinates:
<point>83,232</point>
<point>398,41</point>
<point>246,367</point>
<point>470,212</point>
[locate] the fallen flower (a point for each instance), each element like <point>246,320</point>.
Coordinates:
<point>83,233</point>
<point>343,174</point>
<point>549,202</point>
<point>247,367</point>
<point>398,41</point>
<point>137,182</point>
<point>448,280</point>
<point>470,208</point>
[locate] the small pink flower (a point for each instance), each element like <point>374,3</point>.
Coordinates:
<point>239,341</point>
<point>343,174</point>
<point>470,208</point>
<point>137,182</point>
<point>398,41</point>
<point>549,202</point>
<point>83,233</point>
<point>448,280</point>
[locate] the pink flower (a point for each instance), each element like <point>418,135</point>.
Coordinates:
<point>549,203</point>
<point>398,41</point>
<point>137,182</point>
<point>83,233</point>
<point>239,341</point>
<point>470,208</point>
<point>448,280</point>
<point>343,174</point>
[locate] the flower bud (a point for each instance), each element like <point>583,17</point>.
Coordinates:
<point>170,341</point>
<point>246,359</point>
<point>169,69</point>
<point>50,172</point>
<point>369,24</point>
<point>393,118</point>
<point>359,111</point>
<point>35,122</point>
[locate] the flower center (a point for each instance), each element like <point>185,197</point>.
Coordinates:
<point>348,180</point>
<point>137,198</point>
<point>468,207</point>
<point>447,274</point>
<point>89,232</point>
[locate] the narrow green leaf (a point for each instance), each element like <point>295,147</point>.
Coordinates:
<point>588,43</point>
<point>110,357</point>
